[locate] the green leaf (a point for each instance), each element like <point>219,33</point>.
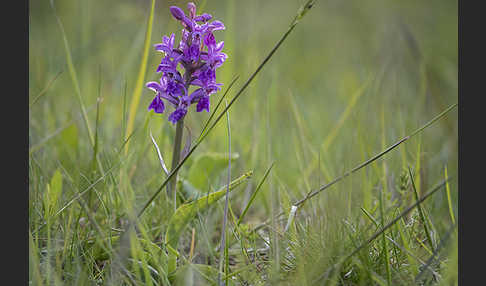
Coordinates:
<point>69,137</point>
<point>186,212</point>
<point>53,193</point>
<point>190,193</point>
<point>207,165</point>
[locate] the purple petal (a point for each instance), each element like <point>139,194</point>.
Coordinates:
<point>157,105</point>
<point>154,86</point>
<point>159,47</point>
<point>203,18</point>
<point>216,25</point>
<point>194,52</point>
<point>219,46</point>
<point>197,82</point>
<point>197,94</point>
<point>203,104</point>
<point>209,39</point>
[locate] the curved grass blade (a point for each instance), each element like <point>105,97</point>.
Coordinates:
<point>161,159</point>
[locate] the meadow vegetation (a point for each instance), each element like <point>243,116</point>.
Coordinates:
<point>343,162</point>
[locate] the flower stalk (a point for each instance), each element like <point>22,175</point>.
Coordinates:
<point>175,161</point>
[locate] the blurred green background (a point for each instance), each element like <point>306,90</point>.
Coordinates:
<point>352,78</point>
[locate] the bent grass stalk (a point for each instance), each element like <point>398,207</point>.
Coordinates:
<point>374,158</point>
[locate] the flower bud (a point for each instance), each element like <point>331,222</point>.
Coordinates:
<point>177,12</point>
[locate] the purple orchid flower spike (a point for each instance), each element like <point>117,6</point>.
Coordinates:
<point>198,54</point>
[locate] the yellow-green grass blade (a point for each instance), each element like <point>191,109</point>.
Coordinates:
<point>137,92</point>
<point>448,192</point>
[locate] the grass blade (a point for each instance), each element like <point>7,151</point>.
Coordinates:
<point>436,252</point>
<point>224,247</point>
<point>255,193</point>
<point>376,157</point>
<point>378,233</point>
<point>421,212</point>
<point>72,73</point>
<point>137,92</point>
<point>161,159</point>
<point>45,89</point>
<point>449,203</point>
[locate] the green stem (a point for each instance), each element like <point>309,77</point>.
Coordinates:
<point>175,160</point>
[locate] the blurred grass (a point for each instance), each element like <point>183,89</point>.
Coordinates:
<point>352,78</point>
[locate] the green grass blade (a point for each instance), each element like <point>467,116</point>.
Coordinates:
<point>74,78</point>
<point>224,246</point>
<point>383,242</point>
<point>436,252</point>
<point>44,91</point>
<point>217,105</point>
<point>255,193</point>
<point>374,158</point>
<point>421,212</point>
